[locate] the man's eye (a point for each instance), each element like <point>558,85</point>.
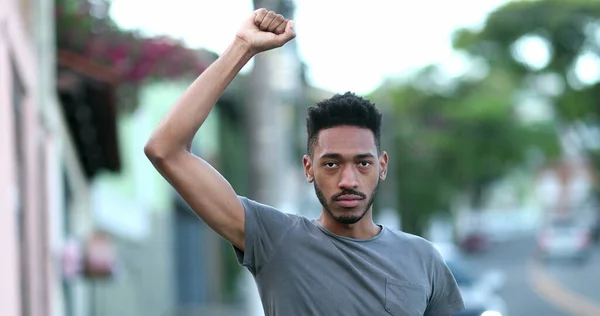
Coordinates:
<point>330,164</point>
<point>364,163</point>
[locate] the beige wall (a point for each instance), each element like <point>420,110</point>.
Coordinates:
<point>25,265</point>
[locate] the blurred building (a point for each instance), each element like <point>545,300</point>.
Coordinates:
<point>170,262</point>
<point>72,168</point>
<point>57,120</point>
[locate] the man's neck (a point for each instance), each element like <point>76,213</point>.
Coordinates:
<point>363,229</point>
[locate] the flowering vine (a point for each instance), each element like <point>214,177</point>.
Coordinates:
<point>85,28</point>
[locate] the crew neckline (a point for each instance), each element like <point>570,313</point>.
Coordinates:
<point>332,234</point>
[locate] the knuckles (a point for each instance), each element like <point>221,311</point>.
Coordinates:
<point>270,21</point>
<point>262,13</point>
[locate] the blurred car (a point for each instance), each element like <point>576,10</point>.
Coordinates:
<point>475,242</point>
<point>564,239</point>
<point>479,292</point>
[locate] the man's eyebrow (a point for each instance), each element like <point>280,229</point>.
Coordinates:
<point>338,156</point>
<point>364,156</point>
<point>331,156</point>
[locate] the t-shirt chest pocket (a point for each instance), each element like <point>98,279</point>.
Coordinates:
<point>403,298</point>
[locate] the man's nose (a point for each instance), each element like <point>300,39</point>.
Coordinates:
<point>348,178</point>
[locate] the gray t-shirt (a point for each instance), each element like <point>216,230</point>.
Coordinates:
<point>302,269</point>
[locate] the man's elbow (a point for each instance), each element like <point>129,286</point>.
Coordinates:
<point>155,152</point>
<point>159,153</point>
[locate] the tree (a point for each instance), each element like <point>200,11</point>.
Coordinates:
<point>468,129</point>
<point>457,138</point>
<point>568,34</point>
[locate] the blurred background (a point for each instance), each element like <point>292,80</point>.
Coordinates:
<point>492,116</point>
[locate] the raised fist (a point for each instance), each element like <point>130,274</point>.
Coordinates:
<point>265,30</point>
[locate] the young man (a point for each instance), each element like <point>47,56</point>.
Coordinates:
<point>339,264</point>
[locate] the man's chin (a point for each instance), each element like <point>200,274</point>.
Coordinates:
<point>348,215</point>
<point>347,220</point>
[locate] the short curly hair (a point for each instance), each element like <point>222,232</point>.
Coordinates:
<point>342,109</point>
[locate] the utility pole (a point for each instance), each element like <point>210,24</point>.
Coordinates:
<point>272,87</point>
<point>272,91</point>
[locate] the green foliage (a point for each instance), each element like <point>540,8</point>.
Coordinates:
<point>569,28</point>
<point>564,23</point>
<point>458,141</point>
<point>461,136</point>
<point>580,104</point>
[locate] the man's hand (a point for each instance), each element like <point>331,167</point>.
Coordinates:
<point>265,30</point>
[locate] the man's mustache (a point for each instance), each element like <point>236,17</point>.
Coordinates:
<point>348,192</point>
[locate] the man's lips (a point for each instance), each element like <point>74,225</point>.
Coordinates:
<point>349,197</point>
<point>348,200</point>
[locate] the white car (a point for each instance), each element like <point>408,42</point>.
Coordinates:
<point>564,239</point>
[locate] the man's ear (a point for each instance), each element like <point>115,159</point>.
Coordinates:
<point>383,165</point>
<point>308,168</point>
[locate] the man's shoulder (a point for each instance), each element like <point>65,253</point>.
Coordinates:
<point>415,243</point>
<point>267,209</point>
<point>410,238</point>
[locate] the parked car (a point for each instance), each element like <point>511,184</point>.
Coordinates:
<point>475,242</point>
<point>479,292</point>
<point>564,239</point>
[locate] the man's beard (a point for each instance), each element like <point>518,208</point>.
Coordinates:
<point>349,218</point>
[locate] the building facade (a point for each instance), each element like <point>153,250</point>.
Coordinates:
<point>43,188</point>
<point>25,269</point>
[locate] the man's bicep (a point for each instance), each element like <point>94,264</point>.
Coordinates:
<point>207,192</point>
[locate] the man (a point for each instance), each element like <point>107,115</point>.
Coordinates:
<point>339,264</point>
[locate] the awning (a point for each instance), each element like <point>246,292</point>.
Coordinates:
<point>88,93</point>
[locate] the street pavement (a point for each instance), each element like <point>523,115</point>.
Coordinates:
<point>532,289</point>
<point>584,280</point>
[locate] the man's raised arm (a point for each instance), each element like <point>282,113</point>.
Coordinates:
<point>209,195</point>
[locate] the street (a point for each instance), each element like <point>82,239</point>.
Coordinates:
<point>532,288</point>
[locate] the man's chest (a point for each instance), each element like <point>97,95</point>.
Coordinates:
<point>332,276</point>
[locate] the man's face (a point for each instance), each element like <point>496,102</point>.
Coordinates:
<point>346,169</point>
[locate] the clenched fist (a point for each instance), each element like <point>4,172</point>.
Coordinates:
<point>265,30</point>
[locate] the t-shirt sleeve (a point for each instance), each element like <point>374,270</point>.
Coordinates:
<point>264,228</point>
<point>445,296</point>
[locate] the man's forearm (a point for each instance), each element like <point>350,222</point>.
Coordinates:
<point>177,129</point>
